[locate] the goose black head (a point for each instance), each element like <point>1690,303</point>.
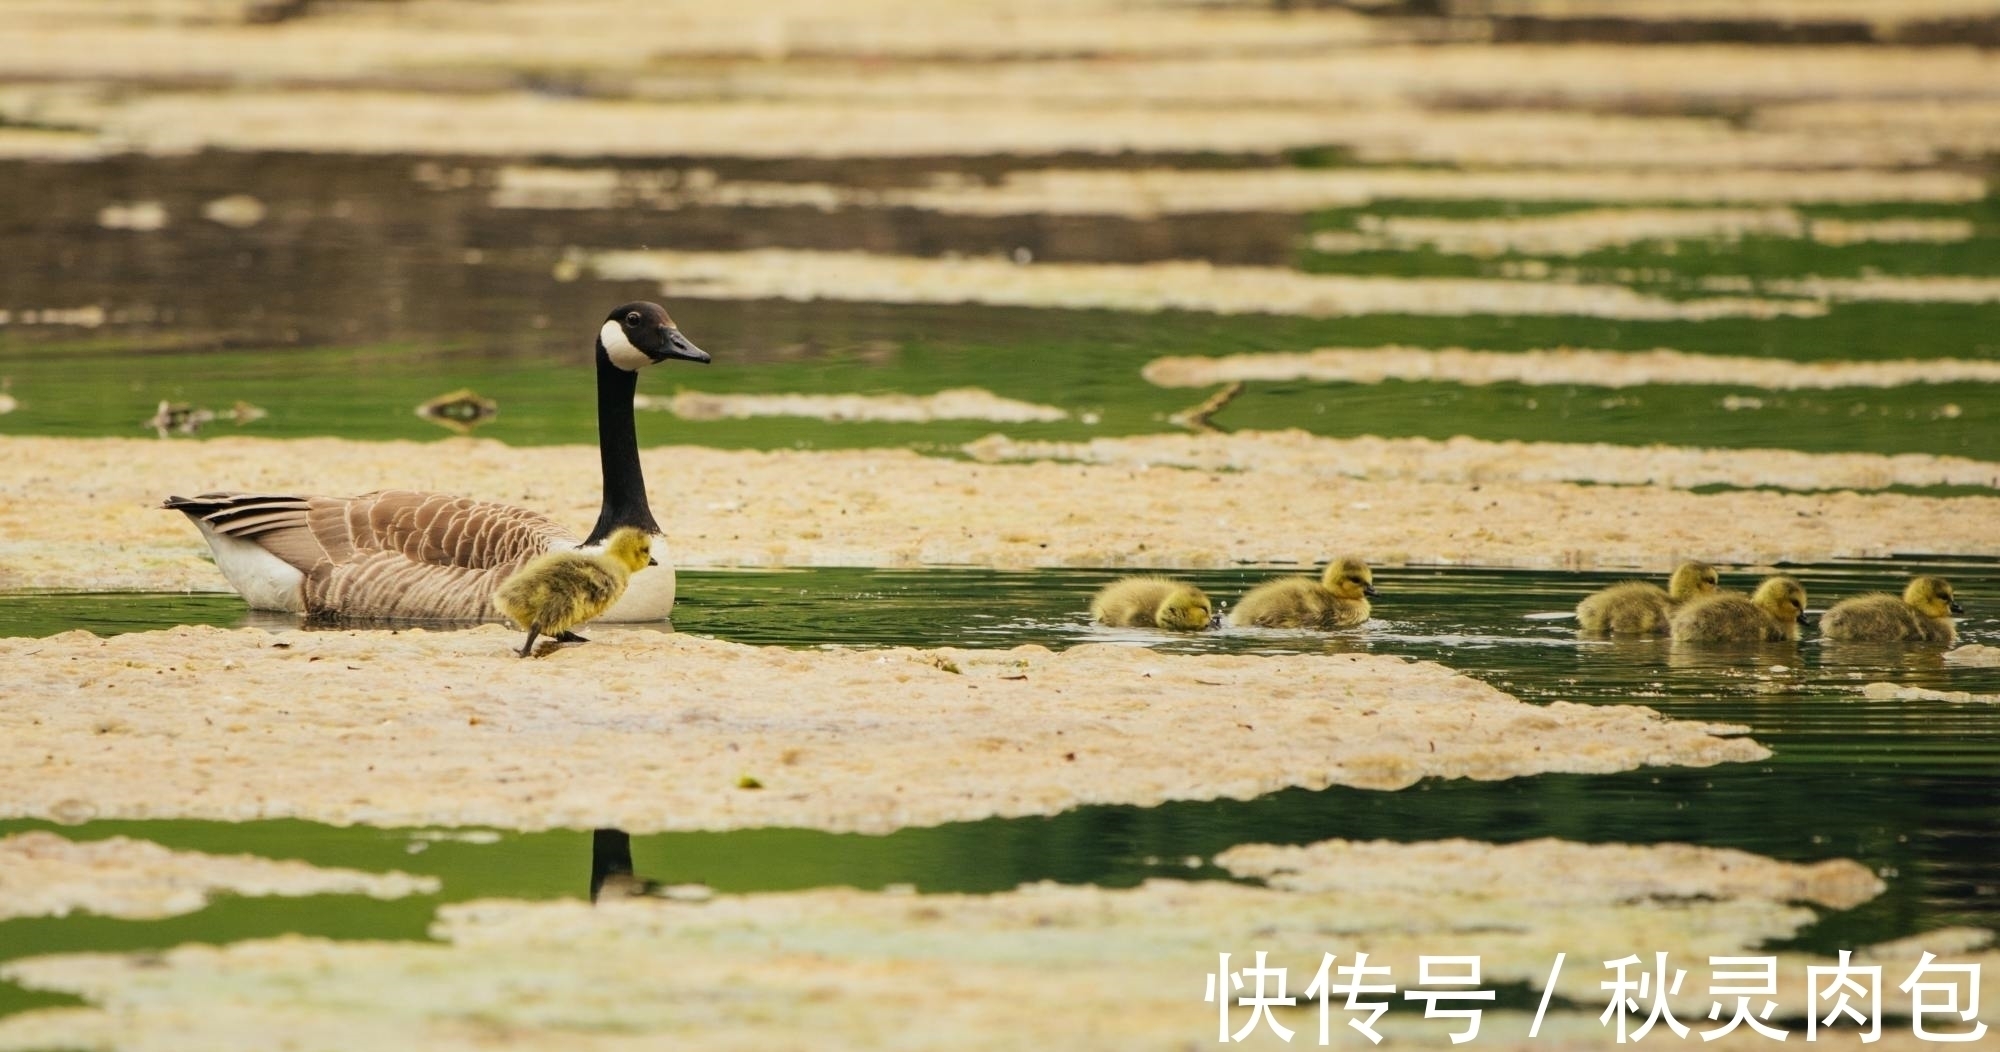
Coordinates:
<point>639,334</point>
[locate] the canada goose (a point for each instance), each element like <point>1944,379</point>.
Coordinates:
<point>1153,602</point>
<point>1339,599</point>
<point>1641,608</point>
<point>1772,615</point>
<point>1922,614</point>
<point>431,556</point>
<point>558,591</point>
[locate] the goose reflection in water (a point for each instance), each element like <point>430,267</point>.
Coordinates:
<point>612,878</point>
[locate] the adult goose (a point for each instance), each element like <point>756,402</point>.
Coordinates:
<point>432,556</point>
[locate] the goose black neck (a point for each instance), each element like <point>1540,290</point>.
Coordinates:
<point>618,451</point>
<point>610,856</point>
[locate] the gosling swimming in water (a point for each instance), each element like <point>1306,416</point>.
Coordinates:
<point>558,591</point>
<point>1921,614</point>
<point>1152,602</point>
<point>1772,615</point>
<point>1339,599</point>
<point>1641,608</point>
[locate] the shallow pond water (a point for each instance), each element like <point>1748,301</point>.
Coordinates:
<point>1085,363</point>
<point>1903,786</point>
<point>370,288</point>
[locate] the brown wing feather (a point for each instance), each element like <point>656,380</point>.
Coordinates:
<point>392,553</point>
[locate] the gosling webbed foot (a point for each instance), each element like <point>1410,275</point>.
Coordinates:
<point>570,637</point>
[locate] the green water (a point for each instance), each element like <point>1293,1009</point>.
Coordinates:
<point>1906,787</point>
<point>1089,367</point>
<point>373,295</point>
<point>364,295</point>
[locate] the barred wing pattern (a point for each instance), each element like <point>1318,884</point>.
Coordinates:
<point>392,553</point>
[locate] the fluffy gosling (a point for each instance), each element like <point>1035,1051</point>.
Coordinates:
<point>1152,602</point>
<point>1772,615</point>
<point>1641,608</point>
<point>558,591</point>
<point>1339,599</point>
<point>1921,614</point>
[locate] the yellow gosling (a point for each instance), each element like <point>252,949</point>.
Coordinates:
<point>1152,602</point>
<point>1641,608</point>
<point>1339,599</point>
<point>1772,615</point>
<point>1921,614</point>
<point>561,590</point>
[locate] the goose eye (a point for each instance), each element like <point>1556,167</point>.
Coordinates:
<point>633,318</point>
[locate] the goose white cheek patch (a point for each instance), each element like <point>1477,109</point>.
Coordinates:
<point>620,350</point>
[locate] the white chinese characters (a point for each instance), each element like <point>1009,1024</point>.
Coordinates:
<point>1943,999</point>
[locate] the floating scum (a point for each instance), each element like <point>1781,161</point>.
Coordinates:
<point>650,732</point>
<point>958,403</point>
<point>1043,966</point>
<point>1578,233</point>
<point>1477,461</point>
<point>45,875</point>
<point>1571,75</point>
<point>373,121</point>
<point>1897,692</point>
<point>1560,366</point>
<point>1976,654</point>
<point>896,508</point>
<point>1149,192</point>
<point>1180,285</point>
<point>363,45</point>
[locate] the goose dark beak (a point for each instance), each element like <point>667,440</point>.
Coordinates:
<point>681,347</point>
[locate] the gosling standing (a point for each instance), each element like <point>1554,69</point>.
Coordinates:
<point>1921,614</point>
<point>1772,615</point>
<point>1641,608</point>
<point>561,590</point>
<point>1339,599</point>
<point>1153,602</point>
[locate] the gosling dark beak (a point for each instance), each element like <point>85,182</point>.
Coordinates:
<point>1803,619</point>
<point>1955,608</point>
<point>652,562</point>
<point>678,346</point>
<point>1368,590</point>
